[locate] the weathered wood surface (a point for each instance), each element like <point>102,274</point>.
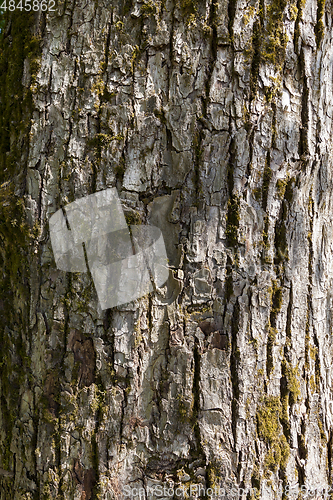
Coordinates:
<point>214,122</point>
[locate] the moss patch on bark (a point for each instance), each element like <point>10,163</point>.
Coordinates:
<point>270,431</point>
<point>19,49</point>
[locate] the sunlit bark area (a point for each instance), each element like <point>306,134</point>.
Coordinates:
<point>213,122</point>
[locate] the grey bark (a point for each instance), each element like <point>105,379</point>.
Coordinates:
<point>213,121</point>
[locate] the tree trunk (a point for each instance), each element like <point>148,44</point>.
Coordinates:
<point>213,121</point>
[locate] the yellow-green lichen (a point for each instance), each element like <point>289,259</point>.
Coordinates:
<point>133,218</point>
<point>281,185</point>
<point>233,218</point>
<point>319,27</point>
<point>265,240</point>
<point>249,13</point>
<point>214,475</point>
<point>149,8</point>
<point>275,38</point>
<point>270,431</point>
<point>188,7</point>
<point>185,408</point>
<point>299,7</point>
<point>269,39</point>
<point>293,11</point>
<point>293,385</point>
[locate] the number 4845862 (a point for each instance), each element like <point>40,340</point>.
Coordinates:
<point>28,5</point>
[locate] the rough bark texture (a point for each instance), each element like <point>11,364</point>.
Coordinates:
<point>213,120</point>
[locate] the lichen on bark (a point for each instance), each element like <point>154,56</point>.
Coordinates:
<point>213,122</point>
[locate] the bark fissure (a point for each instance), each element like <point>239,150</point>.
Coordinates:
<point>211,120</point>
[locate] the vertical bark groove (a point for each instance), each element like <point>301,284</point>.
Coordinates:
<point>213,122</point>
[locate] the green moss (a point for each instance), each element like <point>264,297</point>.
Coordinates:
<point>281,185</point>
<point>255,482</point>
<point>127,6</point>
<point>119,26</point>
<point>233,217</point>
<point>319,27</point>
<point>289,192</point>
<point>15,234</point>
<point>133,218</point>
<point>188,7</point>
<point>229,290</point>
<point>80,292</point>
<point>276,301</point>
<point>280,239</point>
<point>271,92</point>
<point>293,11</point>
<point>278,455</point>
<point>265,233</point>
<point>15,100</point>
<point>248,15</point>
<point>293,385</point>
<point>14,242</point>
<point>300,6</point>
<point>185,408</point>
<point>160,114</point>
<point>101,140</point>
<point>214,475</point>
<point>135,55</point>
<point>275,43</point>
<point>270,431</point>
<point>14,231</point>
<point>323,437</point>
<point>269,39</point>
<point>148,8</point>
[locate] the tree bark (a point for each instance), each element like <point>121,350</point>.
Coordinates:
<point>214,122</point>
